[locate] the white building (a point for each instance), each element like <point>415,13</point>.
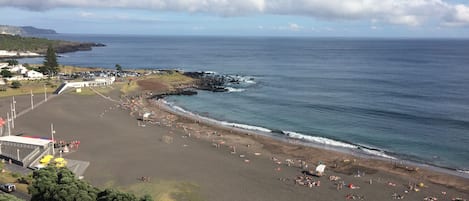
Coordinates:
<point>20,69</point>
<point>34,74</point>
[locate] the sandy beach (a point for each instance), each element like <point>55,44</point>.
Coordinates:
<point>214,163</point>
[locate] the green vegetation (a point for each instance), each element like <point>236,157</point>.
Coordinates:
<point>129,87</point>
<point>50,66</point>
<point>60,184</point>
<point>6,73</point>
<point>8,197</point>
<point>33,44</point>
<point>118,67</point>
<point>12,62</point>
<point>16,84</point>
<point>37,86</point>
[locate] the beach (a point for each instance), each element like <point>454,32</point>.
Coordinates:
<point>209,162</point>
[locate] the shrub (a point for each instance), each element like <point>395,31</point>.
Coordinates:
<point>15,84</point>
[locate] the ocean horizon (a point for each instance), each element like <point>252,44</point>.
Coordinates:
<point>404,99</point>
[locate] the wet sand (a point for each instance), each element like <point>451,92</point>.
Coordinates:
<point>179,149</point>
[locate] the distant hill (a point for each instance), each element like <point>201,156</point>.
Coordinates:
<point>24,30</point>
<point>39,45</point>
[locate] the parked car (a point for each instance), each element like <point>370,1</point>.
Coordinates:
<point>8,187</point>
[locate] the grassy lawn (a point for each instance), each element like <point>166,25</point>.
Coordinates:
<point>37,87</point>
<point>73,69</point>
<point>8,177</point>
<point>173,79</point>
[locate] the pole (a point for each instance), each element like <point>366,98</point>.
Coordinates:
<point>53,142</point>
<point>45,93</point>
<point>12,116</point>
<point>18,154</point>
<point>0,148</point>
<point>8,124</point>
<point>32,101</point>
<point>14,107</point>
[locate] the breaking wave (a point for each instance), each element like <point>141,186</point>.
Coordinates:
<point>232,89</point>
<point>294,135</point>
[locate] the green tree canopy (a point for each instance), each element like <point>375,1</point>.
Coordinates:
<point>118,67</point>
<point>60,184</point>
<point>16,84</point>
<point>12,62</point>
<point>6,73</point>
<point>50,62</point>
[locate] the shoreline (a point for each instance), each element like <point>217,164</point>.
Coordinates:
<point>284,137</point>
<point>203,155</point>
<point>438,175</point>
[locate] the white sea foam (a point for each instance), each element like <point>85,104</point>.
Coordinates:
<point>291,134</point>
<point>319,140</point>
<point>247,79</point>
<point>376,153</point>
<point>224,123</point>
<point>232,89</point>
<point>210,72</point>
<point>463,171</point>
<point>244,126</point>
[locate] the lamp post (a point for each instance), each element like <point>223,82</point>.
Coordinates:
<point>8,124</point>
<point>32,101</point>
<point>14,107</point>
<point>52,131</point>
<point>12,116</point>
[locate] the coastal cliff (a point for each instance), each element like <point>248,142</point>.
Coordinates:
<point>24,30</point>
<point>19,44</point>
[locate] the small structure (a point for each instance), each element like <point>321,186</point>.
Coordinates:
<point>24,150</point>
<point>34,74</point>
<point>95,83</point>
<point>320,170</point>
<point>146,116</point>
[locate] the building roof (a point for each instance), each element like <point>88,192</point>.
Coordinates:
<point>25,140</point>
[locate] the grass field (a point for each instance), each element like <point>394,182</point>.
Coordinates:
<point>8,177</point>
<point>36,86</point>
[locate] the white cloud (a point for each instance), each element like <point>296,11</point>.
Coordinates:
<point>458,17</point>
<point>409,20</point>
<point>403,12</point>
<point>294,27</point>
<point>86,14</point>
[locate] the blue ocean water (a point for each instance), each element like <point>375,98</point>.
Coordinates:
<point>409,97</point>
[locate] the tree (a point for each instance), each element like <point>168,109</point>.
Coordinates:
<point>12,62</point>
<point>57,184</point>
<point>50,62</point>
<point>15,84</point>
<point>118,67</point>
<point>6,73</point>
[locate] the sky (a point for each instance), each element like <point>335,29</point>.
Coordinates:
<point>303,18</point>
